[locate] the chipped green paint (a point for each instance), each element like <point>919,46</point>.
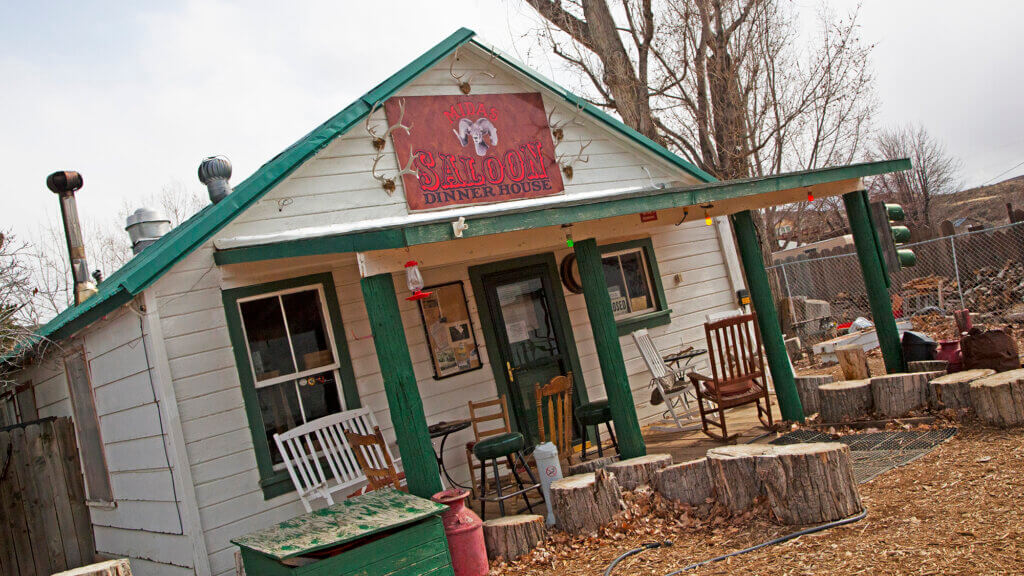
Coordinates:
<point>343,522</point>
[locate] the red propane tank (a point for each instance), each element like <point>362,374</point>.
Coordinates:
<point>465,532</point>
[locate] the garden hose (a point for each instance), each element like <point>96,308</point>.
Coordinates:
<point>633,552</point>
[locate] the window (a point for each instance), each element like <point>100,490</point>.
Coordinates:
<point>17,405</point>
<point>292,361</point>
<point>634,285</point>
<point>87,425</point>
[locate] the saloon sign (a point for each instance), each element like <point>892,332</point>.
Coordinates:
<point>474,149</point>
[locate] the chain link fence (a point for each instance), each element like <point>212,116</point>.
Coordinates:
<point>982,271</point>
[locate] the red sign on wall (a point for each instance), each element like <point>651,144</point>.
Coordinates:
<point>474,149</point>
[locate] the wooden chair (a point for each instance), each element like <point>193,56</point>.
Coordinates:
<point>495,443</point>
<point>483,427</point>
<point>372,454</point>
<point>737,373</point>
<point>554,403</point>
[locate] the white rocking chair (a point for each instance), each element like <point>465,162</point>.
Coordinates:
<point>303,448</point>
<point>674,390</point>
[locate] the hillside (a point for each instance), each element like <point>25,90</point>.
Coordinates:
<point>985,204</point>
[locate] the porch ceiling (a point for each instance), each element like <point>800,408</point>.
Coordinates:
<point>718,198</point>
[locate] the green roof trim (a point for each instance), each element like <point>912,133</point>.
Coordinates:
<point>401,236</point>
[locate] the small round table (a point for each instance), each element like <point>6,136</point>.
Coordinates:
<point>674,359</point>
<point>442,430</point>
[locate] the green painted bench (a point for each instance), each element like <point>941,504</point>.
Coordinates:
<point>385,532</point>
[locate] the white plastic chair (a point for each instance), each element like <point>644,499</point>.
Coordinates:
<point>673,391</point>
<point>303,448</point>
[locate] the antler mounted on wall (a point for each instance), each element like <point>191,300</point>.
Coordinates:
<point>567,166</point>
<point>557,129</point>
<point>380,141</point>
<point>465,85</point>
<point>388,182</point>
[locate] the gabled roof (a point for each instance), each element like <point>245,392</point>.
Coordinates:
<point>145,268</point>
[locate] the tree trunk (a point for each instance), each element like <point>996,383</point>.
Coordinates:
<point>590,465</point>
<point>585,502</point>
<point>510,537</point>
<point>854,363</point>
<point>898,394</point>
<point>636,472</point>
<point>953,391</point>
<point>807,389</point>
<point>847,400</point>
<point>733,472</point>
<point>810,483</point>
<point>927,366</point>
<point>687,482</point>
<point>999,399</point>
<point>110,568</point>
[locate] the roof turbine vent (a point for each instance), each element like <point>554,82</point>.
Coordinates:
<point>214,172</point>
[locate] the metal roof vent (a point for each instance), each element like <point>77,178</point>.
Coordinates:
<point>214,172</point>
<point>146,226</point>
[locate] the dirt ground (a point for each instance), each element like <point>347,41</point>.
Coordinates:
<point>958,510</point>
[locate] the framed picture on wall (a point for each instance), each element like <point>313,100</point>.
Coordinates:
<point>449,330</point>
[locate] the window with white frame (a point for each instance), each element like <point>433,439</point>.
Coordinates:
<point>292,357</point>
<point>629,282</point>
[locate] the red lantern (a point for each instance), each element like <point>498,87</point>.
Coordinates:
<point>414,280</point>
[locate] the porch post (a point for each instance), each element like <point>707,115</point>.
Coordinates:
<point>875,281</point>
<point>404,400</point>
<point>609,352</point>
<point>767,317</point>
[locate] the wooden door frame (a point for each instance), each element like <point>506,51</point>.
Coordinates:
<point>547,260</point>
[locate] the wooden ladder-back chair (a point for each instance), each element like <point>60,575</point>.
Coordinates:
<point>483,416</point>
<point>371,451</point>
<point>554,403</point>
<point>737,373</point>
<point>493,444</point>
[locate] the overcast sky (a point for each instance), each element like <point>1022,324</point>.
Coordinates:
<point>134,94</point>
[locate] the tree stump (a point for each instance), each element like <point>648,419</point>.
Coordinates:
<point>590,465</point>
<point>999,399</point>
<point>687,482</point>
<point>953,391</point>
<point>847,400</point>
<point>896,395</point>
<point>118,567</point>
<point>733,473</point>
<point>807,389</point>
<point>636,472</point>
<point>510,537</point>
<point>854,362</point>
<point>585,502</point>
<point>810,483</point>
<point>927,366</point>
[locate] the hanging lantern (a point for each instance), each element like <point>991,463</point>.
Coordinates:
<point>414,280</point>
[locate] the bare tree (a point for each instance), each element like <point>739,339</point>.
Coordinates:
<point>18,315</point>
<point>730,85</point>
<point>934,172</point>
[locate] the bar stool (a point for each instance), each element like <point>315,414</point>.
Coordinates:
<point>594,414</point>
<point>492,445</point>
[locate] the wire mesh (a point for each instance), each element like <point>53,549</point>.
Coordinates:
<point>981,270</point>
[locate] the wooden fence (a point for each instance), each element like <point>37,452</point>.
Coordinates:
<point>44,522</point>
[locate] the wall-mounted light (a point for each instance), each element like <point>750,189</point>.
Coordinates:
<point>810,196</point>
<point>707,214</point>
<point>414,280</point>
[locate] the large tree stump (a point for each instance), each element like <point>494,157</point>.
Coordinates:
<point>999,399</point>
<point>810,483</point>
<point>896,395</point>
<point>687,482</point>
<point>585,502</point>
<point>846,400</point>
<point>807,389</point>
<point>927,366</point>
<point>854,362</point>
<point>110,568</point>
<point>510,537</point>
<point>636,472</point>
<point>953,391</point>
<point>590,465</point>
<point>733,473</point>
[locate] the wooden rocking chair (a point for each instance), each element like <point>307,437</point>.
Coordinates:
<point>737,374</point>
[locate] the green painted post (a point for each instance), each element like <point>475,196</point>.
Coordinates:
<point>403,395</point>
<point>871,266</point>
<point>767,317</point>
<point>609,352</point>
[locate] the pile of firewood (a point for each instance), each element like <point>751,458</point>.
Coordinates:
<point>996,288</point>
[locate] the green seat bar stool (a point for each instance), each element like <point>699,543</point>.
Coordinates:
<point>493,445</point>
<point>594,414</point>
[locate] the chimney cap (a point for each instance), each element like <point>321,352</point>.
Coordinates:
<point>64,182</point>
<point>145,215</point>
